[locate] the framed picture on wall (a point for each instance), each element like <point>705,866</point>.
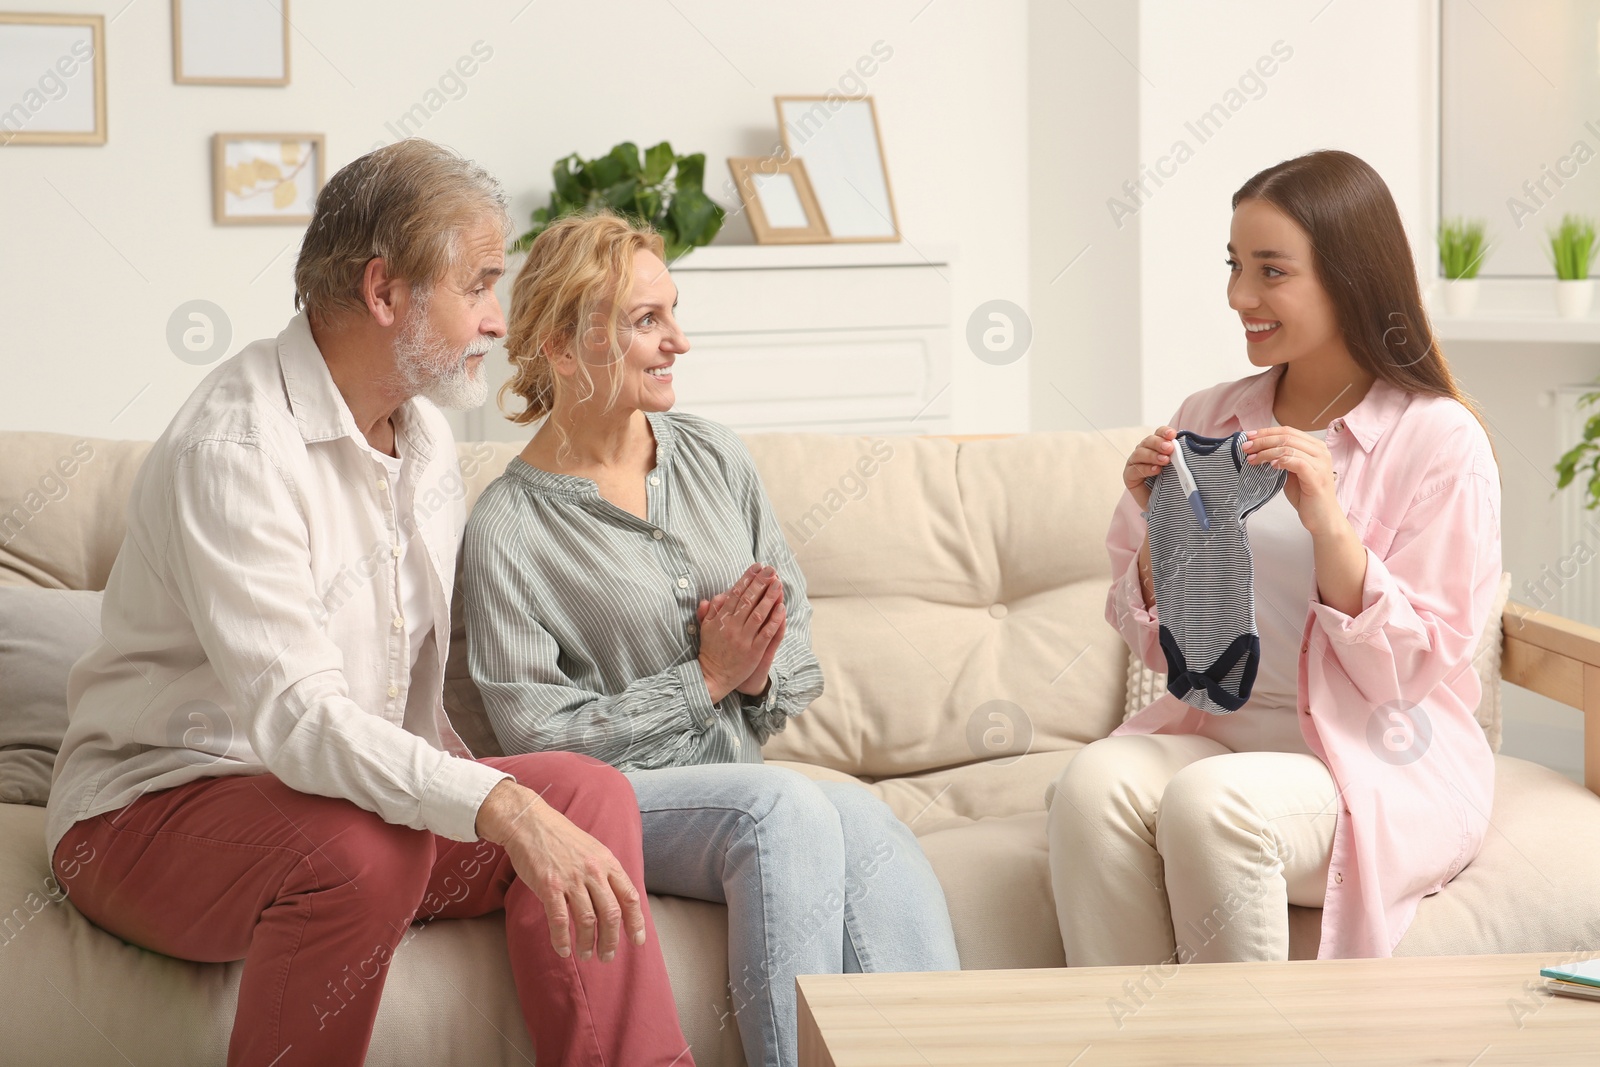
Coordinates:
<point>265,178</point>
<point>778,198</point>
<point>838,139</point>
<point>52,79</point>
<point>230,42</point>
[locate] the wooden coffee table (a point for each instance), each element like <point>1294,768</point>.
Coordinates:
<point>1467,1011</point>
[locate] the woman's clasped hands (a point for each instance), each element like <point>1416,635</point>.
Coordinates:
<point>740,632</point>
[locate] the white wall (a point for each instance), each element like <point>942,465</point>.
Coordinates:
<point>1084,142</point>
<point>100,245</point>
<point>1359,79</point>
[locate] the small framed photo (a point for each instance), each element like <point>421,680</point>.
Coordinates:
<point>230,42</point>
<point>777,194</point>
<point>839,140</point>
<point>52,79</point>
<point>265,178</point>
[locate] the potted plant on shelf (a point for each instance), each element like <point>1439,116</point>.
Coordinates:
<point>658,186</point>
<point>1572,248</point>
<point>1461,252</point>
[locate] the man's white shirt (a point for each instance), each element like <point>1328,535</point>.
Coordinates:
<point>255,619</point>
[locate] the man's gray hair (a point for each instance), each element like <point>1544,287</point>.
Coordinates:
<point>409,203</point>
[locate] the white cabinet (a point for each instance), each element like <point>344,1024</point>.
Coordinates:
<point>850,338</point>
<point>838,338</point>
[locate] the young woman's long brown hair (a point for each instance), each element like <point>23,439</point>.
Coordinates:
<point>1363,261</point>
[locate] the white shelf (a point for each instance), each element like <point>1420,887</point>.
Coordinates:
<point>1513,327</point>
<point>1513,309</point>
<point>789,257</point>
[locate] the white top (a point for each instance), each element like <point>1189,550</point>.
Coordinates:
<point>1285,582</point>
<point>251,621</point>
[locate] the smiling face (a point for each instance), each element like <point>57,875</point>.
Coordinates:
<point>450,326</point>
<point>649,338</point>
<point>1285,311</point>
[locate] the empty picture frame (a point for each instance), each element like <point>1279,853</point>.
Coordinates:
<point>230,42</point>
<point>777,197</point>
<point>265,178</point>
<point>52,79</point>
<point>838,139</point>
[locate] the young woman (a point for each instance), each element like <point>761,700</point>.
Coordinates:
<point>630,596</point>
<point>1355,778</point>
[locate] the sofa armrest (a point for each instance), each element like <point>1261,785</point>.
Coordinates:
<point>1560,659</point>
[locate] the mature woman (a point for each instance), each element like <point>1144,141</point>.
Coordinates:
<point>630,596</point>
<point>1354,778</point>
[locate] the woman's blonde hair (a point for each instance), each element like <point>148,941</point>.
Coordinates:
<point>579,268</point>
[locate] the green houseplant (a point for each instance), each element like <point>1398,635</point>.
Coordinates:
<point>657,186</point>
<point>1572,250</point>
<point>1583,457</point>
<point>1461,252</point>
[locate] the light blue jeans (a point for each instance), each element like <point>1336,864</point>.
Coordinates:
<point>818,877</point>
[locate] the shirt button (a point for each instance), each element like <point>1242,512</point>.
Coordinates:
<point>396,551</point>
<point>691,627</point>
<point>1306,647</point>
<point>394,690</point>
<point>382,484</point>
<point>1338,877</point>
<point>683,583</point>
<point>657,534</point>
<point>997,611</point>
<point>655,480</point>
<point>398,622</point>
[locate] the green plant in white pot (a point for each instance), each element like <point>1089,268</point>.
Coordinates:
<point>1572,250</point>
<point>1461,252</point>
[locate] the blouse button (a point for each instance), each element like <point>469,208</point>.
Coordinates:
<point>657,534</point>
<point>655,479</point>
<point>382,484</point>
<point>399,622</point>
<point>683,583</point>
<point>394,690</point>
<point>1338,877</point>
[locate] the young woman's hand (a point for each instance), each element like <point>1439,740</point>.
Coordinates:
<point>1311,483</point>
<point>1153,454</point>
<point>738,628</point>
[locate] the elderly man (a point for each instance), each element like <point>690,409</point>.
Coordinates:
<point>258,764</point>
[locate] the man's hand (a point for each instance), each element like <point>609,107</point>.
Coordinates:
<point>739,631</point>
<point>578,879</point>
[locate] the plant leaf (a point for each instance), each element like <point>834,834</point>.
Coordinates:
<point>658,160</point>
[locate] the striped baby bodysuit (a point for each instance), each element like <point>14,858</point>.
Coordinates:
<point>1202,571</point>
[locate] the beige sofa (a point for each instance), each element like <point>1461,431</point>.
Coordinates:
<point>959,591</point>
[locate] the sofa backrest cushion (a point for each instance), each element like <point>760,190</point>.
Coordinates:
<point>42,634</point>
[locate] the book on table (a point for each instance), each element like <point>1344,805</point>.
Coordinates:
<point>1580,979</point>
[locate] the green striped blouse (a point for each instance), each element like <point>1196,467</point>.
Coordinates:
<point>581,616</point>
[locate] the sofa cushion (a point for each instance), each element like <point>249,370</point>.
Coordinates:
<point>62,506</point>
<point>42,633</point>
<point>1532,886</point>
<point>943,596</point>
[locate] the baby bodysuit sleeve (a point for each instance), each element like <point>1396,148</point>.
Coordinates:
<point>1257,482</point>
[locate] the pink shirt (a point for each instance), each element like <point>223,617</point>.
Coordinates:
<point>1387,696</point>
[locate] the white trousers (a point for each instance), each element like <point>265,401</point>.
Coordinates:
<point>1172,847</point>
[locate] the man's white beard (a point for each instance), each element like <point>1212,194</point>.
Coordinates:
<point>426,365</point>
